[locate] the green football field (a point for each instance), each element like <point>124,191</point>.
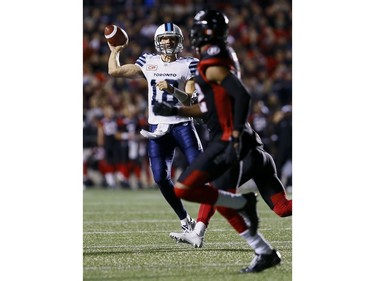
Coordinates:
<point>126,237</point>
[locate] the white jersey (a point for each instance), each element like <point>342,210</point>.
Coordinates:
<point>176,73</point>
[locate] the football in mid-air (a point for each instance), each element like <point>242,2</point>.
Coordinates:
<point>115,35</point>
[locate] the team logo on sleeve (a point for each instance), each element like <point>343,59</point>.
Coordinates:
<point>214,50</point>
<point>151,67</point>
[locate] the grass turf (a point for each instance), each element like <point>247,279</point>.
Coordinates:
<point>126,237</point>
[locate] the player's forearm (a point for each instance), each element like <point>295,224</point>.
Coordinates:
<point>190,111</point>
<point>241,100</point>
<point>182,96</point>
<point>114,63</point>
<point>117,70</point>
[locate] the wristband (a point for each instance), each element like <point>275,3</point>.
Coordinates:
<point>180,95</point>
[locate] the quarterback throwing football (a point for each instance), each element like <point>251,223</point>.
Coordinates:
<point>170,79</point>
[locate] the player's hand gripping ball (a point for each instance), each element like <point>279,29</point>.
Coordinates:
<point>115,35</point>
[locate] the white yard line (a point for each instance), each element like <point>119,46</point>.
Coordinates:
<point>133,267</point>
<point>169,245</point>
<point>157,231</point>
<point>146,221</point>
<point>127,221</point>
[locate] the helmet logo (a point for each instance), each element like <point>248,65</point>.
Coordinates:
<point>199,15</point>
<point>214,50</point>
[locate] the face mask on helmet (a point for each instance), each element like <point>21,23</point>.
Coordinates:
<point>209,26</point>
<point>168,30</point>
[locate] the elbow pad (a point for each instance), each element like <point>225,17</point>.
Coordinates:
<point>179,94</point>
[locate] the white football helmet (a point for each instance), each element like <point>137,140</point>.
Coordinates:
<point>165,30</point>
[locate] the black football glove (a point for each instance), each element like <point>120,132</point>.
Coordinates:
<point>233,150</point>
<point>164,109</point>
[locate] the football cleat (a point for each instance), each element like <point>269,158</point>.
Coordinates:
<point>188,237</point>
<point>189,225</point>
<point>249,212</point>
<point>262,262</point>
<point>185,228</point>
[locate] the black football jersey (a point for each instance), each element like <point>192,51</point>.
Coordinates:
<point>213,98</point>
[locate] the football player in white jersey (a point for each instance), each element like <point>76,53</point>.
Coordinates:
<point>170,79</point>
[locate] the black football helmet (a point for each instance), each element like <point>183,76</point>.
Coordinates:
<point>209,26</point>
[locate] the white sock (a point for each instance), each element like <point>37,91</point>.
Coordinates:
<point>200,228</point>
<point>109,177</point>
<point>257,243</point>
<point>230,200</point>
<point>120,176</point>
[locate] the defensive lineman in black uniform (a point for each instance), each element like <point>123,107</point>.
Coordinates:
<point>235,150</point>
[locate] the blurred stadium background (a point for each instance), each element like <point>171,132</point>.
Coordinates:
<point>261,34</point>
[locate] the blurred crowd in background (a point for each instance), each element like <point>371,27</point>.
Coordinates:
<point>261,34</point>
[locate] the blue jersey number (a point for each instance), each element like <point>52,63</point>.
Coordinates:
<point>165,94</point>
